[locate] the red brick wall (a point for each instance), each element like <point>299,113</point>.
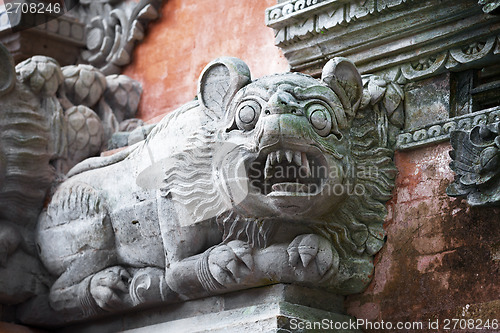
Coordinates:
<point>189,35</point>
<point>442,257</point>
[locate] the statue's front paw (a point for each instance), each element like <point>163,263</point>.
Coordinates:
<point>230,263</point>
<point>313,257</point>
<point>109,288</point>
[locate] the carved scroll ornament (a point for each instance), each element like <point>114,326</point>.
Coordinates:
<point>281,179</point>
<point>112,30</point>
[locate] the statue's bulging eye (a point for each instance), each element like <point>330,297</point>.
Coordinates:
<point>247,115</point>
<point>320,119</point>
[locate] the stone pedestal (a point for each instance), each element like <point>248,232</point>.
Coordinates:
<point>277,308</point>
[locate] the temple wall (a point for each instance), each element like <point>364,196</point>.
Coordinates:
<point>441,258</point>
<point>190,34</point>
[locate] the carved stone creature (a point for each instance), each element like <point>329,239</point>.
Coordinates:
<point>476,162</point>
<point>25,173</point>
<point>281,179</point>
<point>40,140</point>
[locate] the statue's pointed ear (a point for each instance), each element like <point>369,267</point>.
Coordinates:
<point>342,76</point>
<point>7,71</point>
<point>219,81</point>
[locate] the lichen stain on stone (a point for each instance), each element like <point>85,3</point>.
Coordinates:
<point>439,251</point>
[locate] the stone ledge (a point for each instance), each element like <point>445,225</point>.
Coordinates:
<point>440,131</point>
<point>260,309</point>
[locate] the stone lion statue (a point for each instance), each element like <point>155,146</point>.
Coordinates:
<point>280,179</point>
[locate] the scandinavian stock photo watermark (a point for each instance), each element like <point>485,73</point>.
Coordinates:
<point>453,324</point>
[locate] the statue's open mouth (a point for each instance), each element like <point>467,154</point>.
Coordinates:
<point>289,172</point>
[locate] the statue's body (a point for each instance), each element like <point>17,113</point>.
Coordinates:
<point>254,183</point>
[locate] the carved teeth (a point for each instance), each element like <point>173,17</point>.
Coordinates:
<point>275,157</point>
<point>305,164</point>
<point>279,155</point>
<point>297,158</point>
<point>272,157</point>
<point>267,169</point>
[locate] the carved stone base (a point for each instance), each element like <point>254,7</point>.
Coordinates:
<point>274,308</point>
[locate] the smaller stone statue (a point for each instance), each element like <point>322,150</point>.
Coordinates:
<point>51,118</point>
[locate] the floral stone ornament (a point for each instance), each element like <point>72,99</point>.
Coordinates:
<point>282,179</point>
<point>476,163</point>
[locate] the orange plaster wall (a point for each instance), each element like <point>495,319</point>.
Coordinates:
<point>191,33</point>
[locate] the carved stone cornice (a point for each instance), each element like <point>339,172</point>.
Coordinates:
<point>380,36</point>
<point>440,131</point>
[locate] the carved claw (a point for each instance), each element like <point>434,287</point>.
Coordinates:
<point>230,263</point>
<point>108,287</point>
<point>307,249</point>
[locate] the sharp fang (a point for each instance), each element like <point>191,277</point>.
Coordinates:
<point>305,164</point>
<point>279,156</point>
<point>297,159</point>
<point>272,156</point>
<point>289,156</point>
<point>267,169</point>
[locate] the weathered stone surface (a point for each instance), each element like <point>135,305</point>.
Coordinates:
<point>112,30</point>
<point>413,43</point>
<point>40,140</point>
<point>261,309</point>
<point>423,37</point>
<point>441,257</point>
<point>427,101</point>
<point>25,174</point>
<point>102,34</point>
<point>282,179</point>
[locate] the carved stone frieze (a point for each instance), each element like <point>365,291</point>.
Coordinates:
<point>351,28</point>
<point>440,131</point>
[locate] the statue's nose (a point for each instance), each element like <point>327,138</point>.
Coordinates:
<point>282,102</point>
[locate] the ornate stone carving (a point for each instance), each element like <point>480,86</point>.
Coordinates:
<point>25,173</point>
<point>476,162</point>
<point>112,29</point>
<point>281,179</point>
<point>46,127</point>
<point>100,33</point>
<point>351,29</point>
<point>318,16</point>
<point>440,131</point>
